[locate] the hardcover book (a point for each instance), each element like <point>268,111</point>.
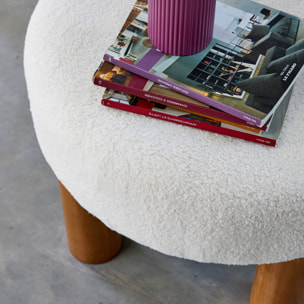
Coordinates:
<point>246,71</point>
<point>138,105</point>
<point>119,79</point>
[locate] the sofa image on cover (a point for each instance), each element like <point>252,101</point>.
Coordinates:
<point>277,72</point>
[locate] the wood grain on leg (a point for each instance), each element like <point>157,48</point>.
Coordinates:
<point>280,283</point>
<point>90,241</point>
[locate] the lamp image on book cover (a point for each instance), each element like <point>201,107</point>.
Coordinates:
<point>246,70</point>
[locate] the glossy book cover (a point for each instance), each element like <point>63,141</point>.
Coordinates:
<point>246,70</point>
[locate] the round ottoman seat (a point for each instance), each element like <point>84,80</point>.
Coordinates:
<point>181,191</point>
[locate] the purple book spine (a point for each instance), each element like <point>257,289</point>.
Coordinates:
<point>181,27</point>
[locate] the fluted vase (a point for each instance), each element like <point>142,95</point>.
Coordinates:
<point>181,27</point>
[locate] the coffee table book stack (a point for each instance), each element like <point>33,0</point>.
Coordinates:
<point>239,85</point>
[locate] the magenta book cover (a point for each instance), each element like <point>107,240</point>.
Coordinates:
<point>249,66</point>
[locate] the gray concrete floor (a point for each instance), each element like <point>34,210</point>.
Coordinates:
<point>35,263</point>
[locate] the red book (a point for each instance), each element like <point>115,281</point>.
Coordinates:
<point>151,109</point>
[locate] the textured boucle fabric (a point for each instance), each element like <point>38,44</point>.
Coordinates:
<point>179,190</point>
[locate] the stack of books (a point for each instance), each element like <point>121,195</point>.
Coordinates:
<point>239,86</point>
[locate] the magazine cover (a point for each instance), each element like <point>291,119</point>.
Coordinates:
<point>137,105</point>
<point>253,59</point>
<point>116,78</point>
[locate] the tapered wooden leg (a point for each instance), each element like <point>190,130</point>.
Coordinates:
<point>90,241</point>
<point>281,283</point>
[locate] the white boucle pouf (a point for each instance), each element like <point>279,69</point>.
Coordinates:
<point>179,190</point>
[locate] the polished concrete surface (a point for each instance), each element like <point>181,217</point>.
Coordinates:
<point>35,264</point>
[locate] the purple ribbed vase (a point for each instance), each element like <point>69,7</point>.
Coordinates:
<point>181,27</point>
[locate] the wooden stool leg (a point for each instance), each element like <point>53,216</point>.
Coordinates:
<point>90,241</point>
<point>281,283</point>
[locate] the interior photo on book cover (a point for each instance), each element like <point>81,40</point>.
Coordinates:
<point>251,63</point>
